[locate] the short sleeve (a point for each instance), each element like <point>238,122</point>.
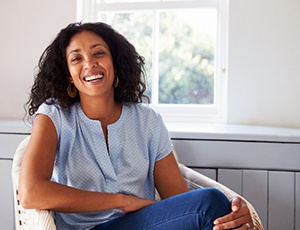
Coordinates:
<point>53,112</point>
<point>163,139</point>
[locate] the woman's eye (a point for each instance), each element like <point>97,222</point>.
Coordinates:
<point>75,59</point>
<point>97,53</point>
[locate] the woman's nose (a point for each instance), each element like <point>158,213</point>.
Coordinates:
<point>90,64</point>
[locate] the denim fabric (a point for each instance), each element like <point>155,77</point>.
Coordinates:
<point>196,209</point>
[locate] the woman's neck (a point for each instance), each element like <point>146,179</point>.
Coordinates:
<point>106,111</point>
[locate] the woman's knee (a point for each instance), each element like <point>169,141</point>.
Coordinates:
<point>213,199</point>
<point>213,195</point>
<point>207,199</point>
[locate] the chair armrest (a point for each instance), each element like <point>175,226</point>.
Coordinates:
<point>32,218</point>
<point>196,180</point>
<point>36,219</point>
<point>44,219</point>
<point>27,218</point>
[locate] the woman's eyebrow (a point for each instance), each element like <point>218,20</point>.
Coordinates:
<point>74,51</point>
<point>91,47</point>
<point>99,44</point>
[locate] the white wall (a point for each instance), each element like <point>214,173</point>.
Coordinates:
<point>27,27</point>
<point>263,64</point>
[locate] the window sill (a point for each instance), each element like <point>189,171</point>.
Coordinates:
<point>233,132</point>
<point>197,131</point>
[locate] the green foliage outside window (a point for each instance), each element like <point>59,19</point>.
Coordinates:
<point>186,56</point>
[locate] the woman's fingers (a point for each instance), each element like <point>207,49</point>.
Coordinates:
<point>237,219</point>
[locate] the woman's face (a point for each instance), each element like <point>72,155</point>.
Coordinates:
<point>90,65</point>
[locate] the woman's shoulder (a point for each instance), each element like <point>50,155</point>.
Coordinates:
<point>141,108</point>
<point>49,107</point>
<point>53,109</point>
<point>60,117</point>
<point>143,113</point>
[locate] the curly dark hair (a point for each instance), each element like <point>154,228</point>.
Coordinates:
<point>51,81</point>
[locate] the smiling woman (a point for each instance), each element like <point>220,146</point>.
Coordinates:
<point>90,65</point>
<point>95,159</point>
<point>54,75</point>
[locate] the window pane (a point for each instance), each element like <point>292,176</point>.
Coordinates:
<point>186,42</point>
<point>137,28</point>
<point>184,45</point>
<point>186,58</point>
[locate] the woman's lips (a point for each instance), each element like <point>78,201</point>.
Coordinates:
<point>93,77</point>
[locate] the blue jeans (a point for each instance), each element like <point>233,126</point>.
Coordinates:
<point>196,209</point>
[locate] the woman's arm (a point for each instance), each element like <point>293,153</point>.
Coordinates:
<point>169,182</point>
<point>168,178</point>
<point>38,192</point>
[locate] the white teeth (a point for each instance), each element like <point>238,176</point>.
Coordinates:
<point>94,77</point>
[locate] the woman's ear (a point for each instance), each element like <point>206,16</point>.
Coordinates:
<point>70,79</point>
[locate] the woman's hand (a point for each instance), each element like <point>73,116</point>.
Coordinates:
<point>132,203</point>
<point>239,218</point>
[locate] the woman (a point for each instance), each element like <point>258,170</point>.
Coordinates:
<point>97,153</point>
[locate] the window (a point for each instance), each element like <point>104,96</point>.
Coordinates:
<point>184,45</point>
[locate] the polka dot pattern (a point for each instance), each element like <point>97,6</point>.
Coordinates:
<point>83,160</point>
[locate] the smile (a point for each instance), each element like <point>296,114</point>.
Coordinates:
<point>94,77</point>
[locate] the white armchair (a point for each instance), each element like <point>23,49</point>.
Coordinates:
<point>32,219</point>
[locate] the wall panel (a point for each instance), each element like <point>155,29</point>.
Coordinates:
<point>255,190</point>
<point>6,198</point>
<point>297,208</point>
<point>231,178</point>
<point>281,200</point>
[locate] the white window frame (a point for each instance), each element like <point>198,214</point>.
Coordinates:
<point>181,113</point>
